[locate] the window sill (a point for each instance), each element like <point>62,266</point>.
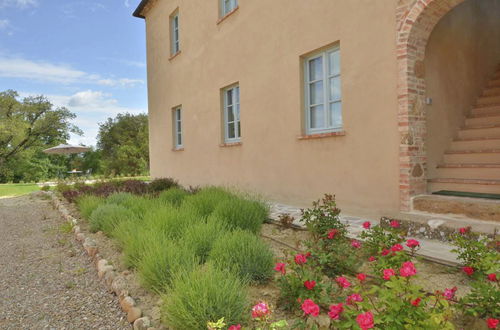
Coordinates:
<point>321,135</point>
<point>230,144</point>
<point>223,18</point>
<point>178,149</point>
<point>174,55</point>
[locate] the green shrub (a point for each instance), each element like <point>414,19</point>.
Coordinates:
<point>158,185</point>
<point>242,213</point>
<point>87,204</point>
<point>45,188</point>
<point>202,236</point>
<point>161,259</point>
<point>133,240</point>
<point>170,220</point>
<point>173,196</point>
<point>244,253</point>
<point>106,217</point>
<point>140,205</point>
<point>203,295</point>
<point>120,198</point>
<point>207,199</point>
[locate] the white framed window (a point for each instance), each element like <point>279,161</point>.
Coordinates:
<point>175,46</point>
<point>227,6</point>
<point>322,89</point>
<point>231,113</point>
<point>177,127</point>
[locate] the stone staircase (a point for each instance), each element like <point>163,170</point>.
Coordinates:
<point>472,163</point>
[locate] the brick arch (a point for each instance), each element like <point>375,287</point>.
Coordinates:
<point>415,21</point>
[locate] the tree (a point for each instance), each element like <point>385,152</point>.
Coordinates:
<point>123,143</point>
<point>27,127</point>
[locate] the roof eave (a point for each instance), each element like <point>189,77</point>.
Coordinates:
<point>140,7</point>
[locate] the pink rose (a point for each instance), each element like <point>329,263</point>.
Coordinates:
<point>235,327</point>
<point>468,270</point>
<point>280,267</point>
<point>396,248</point>
<point>365,321</point>
<point>343,282</point>
<point>492,277</point>
<point>388,273</point>
<point>492,323</point>
<point>449,293</point>
<point>310,308</point>
<point>260,310</point>
<point>412,243</point>
<point>332,233</point>
<point>385,252</point>
<point>335,311</point>
<point>367,224</point>
<point>463,230</point>
<point>355,244</point>
<point>395,224</point>
<point>416,302</point>
<point>300,259</point>
<point>310,284</point>
<point>361,277</point>
<point>372,258</point>
<point>354,298</point>
<point>408,269</point>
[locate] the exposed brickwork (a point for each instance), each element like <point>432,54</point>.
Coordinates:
<point>415,21</point>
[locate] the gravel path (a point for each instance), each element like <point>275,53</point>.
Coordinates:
<point>46,280</point>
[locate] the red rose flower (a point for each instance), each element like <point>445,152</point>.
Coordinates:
<point>235,327</point>
<point>280,267</point>
<point>492,323</point>
<point>412,243</point>
<point>372,258</point>
<point>468,270</point>
<point>355,244</point>
<point>492,277</point>
<point>463,230</point>
<point>361,277</point>
<point>367,224</point>
<point>260,310</point>
<point>354,298</point>
<point>343,282</point>
<point>310,284</point>
<point>385,252</point>
<point>388,273</point>
<point>332,233</point>
<point>365,320</point>
<point>300,259</point>
<point>416,302</point>
<point>395,224</point>
<point>448,294</point>
<point>396,248</point>
<point>407,269</point>
<point>310,308</point>
<point>335,311</point>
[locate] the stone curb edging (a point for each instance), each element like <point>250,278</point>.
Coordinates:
<point>114,282</point>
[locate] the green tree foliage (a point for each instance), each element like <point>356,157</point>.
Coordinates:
<point>27,127</point>
<point>123,143</point>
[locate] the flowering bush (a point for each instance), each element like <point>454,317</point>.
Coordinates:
<point>324,217</point>
<point>377,239</point>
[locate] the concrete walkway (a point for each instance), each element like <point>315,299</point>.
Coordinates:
<point>433,250</point>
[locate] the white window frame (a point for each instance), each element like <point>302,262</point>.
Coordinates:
<point>228,6</point>
<point>175,45</point>
<point>326,96</point>
<point>235,107</point>
<point>177,127</point>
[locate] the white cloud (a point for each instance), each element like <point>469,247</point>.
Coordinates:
<point>127,3</point>
<point>56,73</point>
<point>4,24</point>
<point>18,3</point>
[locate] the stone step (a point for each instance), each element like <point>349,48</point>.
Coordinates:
<point>478,132</point>
<point>491,91</point>
<point>476,208</point>
<point>486,110</point>
<point>465,185</point>
<point>488,100</point>
<point>467,171</point>
<point>475,144</point>
<point>488,119</point>
<point>484,156</point>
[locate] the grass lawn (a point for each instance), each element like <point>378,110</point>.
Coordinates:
<point>17,189</point>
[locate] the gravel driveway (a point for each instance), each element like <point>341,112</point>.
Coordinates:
<point>46,280</point>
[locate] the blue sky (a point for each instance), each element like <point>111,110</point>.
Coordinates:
<point>86,55</point>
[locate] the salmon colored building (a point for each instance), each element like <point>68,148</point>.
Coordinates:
<point>381,102</point>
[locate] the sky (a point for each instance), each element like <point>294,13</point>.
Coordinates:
<point>86,55</point>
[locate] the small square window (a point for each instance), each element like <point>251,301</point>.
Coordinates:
<point>322,87</point>
<point>177,127</point>
<point>227,6</point>
<point>231,114</point>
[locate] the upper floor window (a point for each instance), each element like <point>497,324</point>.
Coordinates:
<point>177,127</point>
<point>228,6</point>
<point>322,92</point>
<point>231,113</point>
<point>174,34</point>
